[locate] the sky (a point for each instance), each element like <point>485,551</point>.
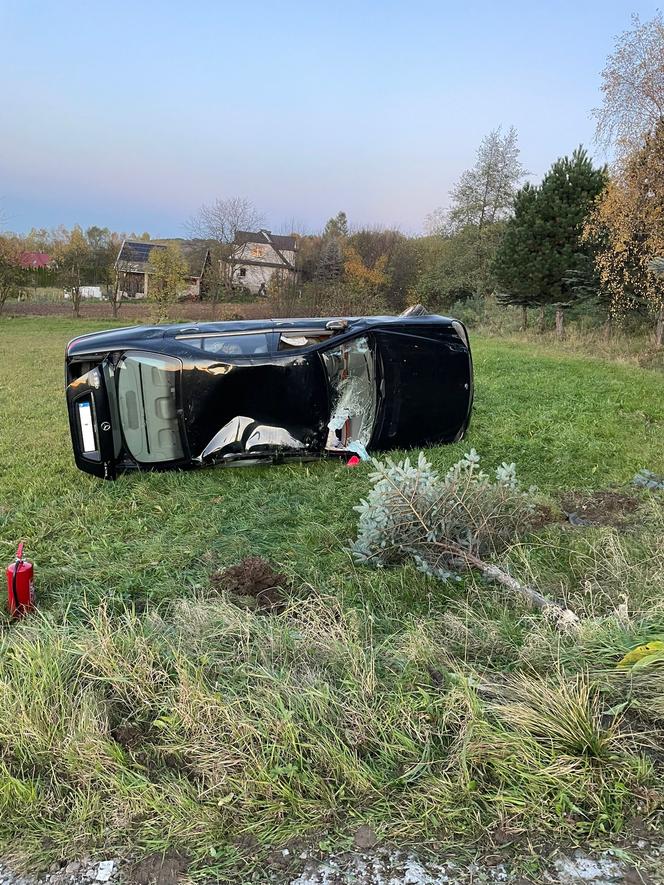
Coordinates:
<point>131,115</point>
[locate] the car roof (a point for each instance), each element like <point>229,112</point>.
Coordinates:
<point>110,339</point>
<point>297,323</point>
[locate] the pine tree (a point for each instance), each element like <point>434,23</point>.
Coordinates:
<point>337,226</point>
<point>331,261</point>
<point>542,259</point>
<point>517,263</point>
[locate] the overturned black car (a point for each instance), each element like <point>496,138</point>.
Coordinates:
<point>247,392</point>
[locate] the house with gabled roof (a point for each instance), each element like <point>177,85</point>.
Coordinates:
<point>35,260</point>
<point>257,259</point>
<point>133,262</point>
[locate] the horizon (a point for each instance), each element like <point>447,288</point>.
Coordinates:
<point>374,110</point>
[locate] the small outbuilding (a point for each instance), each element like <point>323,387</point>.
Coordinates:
<point>134,262</point>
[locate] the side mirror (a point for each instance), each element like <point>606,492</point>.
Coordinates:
<point>336,325</point>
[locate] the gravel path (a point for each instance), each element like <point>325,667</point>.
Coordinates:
<point>380,866</point>
<point>86,872</point>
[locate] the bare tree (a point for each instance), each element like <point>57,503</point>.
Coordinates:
<point>73,256</point>
<point>485,193</point>
<point>483,196</point>
<point>119,288</point>
<point>219,223</point>
<point>632,86</point>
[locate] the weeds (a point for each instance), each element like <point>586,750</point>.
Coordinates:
<point>188,727</point>
<point>563,714</point>
<point>140,710</point>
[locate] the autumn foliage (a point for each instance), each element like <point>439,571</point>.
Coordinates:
<point>627,228</point>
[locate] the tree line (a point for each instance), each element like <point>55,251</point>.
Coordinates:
<point>78,258</point>
<point>585,237</point>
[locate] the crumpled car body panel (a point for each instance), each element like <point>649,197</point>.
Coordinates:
<point>182,396</point>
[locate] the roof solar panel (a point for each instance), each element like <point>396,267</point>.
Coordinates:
<point>138,252</point>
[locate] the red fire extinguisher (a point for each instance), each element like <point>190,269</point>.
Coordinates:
<point>20,585</point>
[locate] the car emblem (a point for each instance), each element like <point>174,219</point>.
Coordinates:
<point>105,426</point>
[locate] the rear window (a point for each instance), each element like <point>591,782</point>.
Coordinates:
<point>147,404</point>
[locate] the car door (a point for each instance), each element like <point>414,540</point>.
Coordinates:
<point>426,386</point>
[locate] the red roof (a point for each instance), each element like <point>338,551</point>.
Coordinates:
<point>35,259</point>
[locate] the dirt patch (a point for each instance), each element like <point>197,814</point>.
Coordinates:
<point>542,516</point>
<point>158,869</point>
<point>256,582</point>
<point>128,736</point>
<point>365,837</point>
<point>610,508</point>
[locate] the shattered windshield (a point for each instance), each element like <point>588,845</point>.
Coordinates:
<point>351,372</point>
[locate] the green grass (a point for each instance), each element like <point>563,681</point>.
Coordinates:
<point>140,710</point>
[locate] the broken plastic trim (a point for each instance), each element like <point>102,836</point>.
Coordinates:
<point>252,459</point>
<point>245,435</point>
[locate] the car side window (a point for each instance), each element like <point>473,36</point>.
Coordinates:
<point>254,344</point>
<point>296,339</point>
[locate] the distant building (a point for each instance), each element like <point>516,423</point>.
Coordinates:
<point>257,257</point>
<point>86,292</point>
<point>134,261</point>
<point>34,260</point>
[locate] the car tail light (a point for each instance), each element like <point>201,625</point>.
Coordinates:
<point>460,329</point>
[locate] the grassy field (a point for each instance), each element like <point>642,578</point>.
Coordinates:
<point>144,710</point>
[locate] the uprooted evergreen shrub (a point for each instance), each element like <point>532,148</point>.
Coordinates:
<point>446,525</point>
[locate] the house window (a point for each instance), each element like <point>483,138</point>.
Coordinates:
<point>243,271</point>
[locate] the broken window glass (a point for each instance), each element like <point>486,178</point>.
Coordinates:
<point>351,372</point>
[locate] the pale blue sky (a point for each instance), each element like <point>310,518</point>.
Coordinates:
<point>132,114</point>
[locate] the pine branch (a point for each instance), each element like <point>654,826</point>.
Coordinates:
<point>445,525</point>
